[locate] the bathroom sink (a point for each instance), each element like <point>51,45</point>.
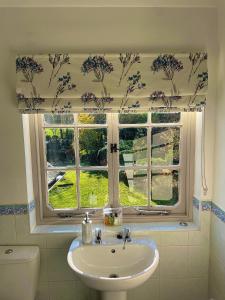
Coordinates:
<point>109,267</point>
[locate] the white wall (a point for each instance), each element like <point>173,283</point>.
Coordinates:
<point>217,241</point>
<point>37,30</point>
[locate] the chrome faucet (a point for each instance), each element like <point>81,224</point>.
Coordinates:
<point>98,236</point>
<point>126,236</point>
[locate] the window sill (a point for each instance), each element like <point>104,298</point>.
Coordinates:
<point>136,228</point>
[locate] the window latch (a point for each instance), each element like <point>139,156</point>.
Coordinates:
<point>113,148</point>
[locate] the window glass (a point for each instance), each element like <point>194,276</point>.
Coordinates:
<point>59,143</point>
<point>93,147</point>
<point>145,170</point>
<point>133,146</point>
<point>133,187</point>
<point>165,145</point>
<point>133,118</point>
<point>165,117</point>
<point>63,119</point>
<point>164,187</point>
<point>93,188</point>
<point>62,189</point>
<point>92,118</point>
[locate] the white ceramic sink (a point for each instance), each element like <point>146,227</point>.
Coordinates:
<point>109,267</point>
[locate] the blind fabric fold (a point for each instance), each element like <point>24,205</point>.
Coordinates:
<point>125,82</point>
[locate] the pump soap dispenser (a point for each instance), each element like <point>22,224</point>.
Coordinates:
<point>86,230</point>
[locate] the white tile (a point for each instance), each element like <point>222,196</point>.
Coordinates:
<point>147,291</point>
<point>185,289</point>
<point>218,238</point>
<point>198,288</point>
<point>42,292</point>
<point>217,275</point>
<point>82,291</point>
<point>198,261</point>
<point>198,238</point>
<point>173,261</point>
<point>64,290</point>
<point>174,289</point>
<point>43,277</point>
<point>196,216</point>
<point>214,293</point>
<point>155,236</point>
<point>23,235</point>
<point>59,241</point>
<point>174,238</point>
<point>57,266</point>
<point>94,295</point>
<point>32,218</point>
<point>7,230</point>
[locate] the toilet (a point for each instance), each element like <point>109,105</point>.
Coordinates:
<point>19,271</point>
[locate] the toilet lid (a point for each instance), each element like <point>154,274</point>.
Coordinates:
<point>18,254</point>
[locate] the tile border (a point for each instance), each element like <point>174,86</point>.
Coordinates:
<point>23,209</point>
<point>207,205</point>
<point>16,209</point>
<point>196,203</point>
<point>218,212</point>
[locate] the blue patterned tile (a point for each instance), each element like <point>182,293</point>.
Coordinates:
<point>6,210</point>
<point>206,205</point>
<point>20,209</point>
<point>218,212</point>
<point>196,202</point>
<point>31,206</point>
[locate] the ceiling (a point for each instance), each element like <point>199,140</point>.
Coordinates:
<point>108,3</point>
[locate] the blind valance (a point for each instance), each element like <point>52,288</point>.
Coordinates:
<point>124,82</point>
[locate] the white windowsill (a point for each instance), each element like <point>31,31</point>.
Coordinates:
<point>136,228</point>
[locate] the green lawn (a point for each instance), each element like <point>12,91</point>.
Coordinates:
<point>93,191</point>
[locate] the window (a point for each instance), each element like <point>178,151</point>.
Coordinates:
<point>140,162</point>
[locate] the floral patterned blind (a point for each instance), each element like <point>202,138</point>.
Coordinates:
<point>125,82</point>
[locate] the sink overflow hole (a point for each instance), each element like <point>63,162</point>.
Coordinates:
<point>113,250</point>
<point>113,276</point>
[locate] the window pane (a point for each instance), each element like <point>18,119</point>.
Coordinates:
<point>133,187</point>
<point>93,147</point>
<point>93,188</point>
<point>165,145</point>
<point>133,146</point>
<point>58,119</point>
<point>165,117</point>
<point>61,189</point>
<point>133,118</point>
<point>164,187</point>
<point>92,118</point>
<point>59,147</point>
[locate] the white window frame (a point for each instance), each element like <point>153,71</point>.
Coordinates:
<point>182,210</point>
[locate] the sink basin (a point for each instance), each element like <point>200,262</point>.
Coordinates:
<point>109,267</point>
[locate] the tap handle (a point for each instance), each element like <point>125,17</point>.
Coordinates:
<point>98,234</point>
<point>126,233</point>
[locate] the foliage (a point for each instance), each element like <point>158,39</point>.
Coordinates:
<point>97,64</point>
<point>57,61</point>
<point>128,60</point>
<point>168,64</point>
<point>98,101</point>
<point>59,146</point>
<point>29,67</point>
<point>92,143</point>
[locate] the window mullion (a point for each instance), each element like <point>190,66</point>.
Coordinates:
<point>77,160</point>
<point>149,144</point>
<point>115,160</point>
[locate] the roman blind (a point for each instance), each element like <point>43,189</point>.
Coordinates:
<point>124,82</point>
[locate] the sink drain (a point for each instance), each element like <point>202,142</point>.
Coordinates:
<point>114,276</point>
